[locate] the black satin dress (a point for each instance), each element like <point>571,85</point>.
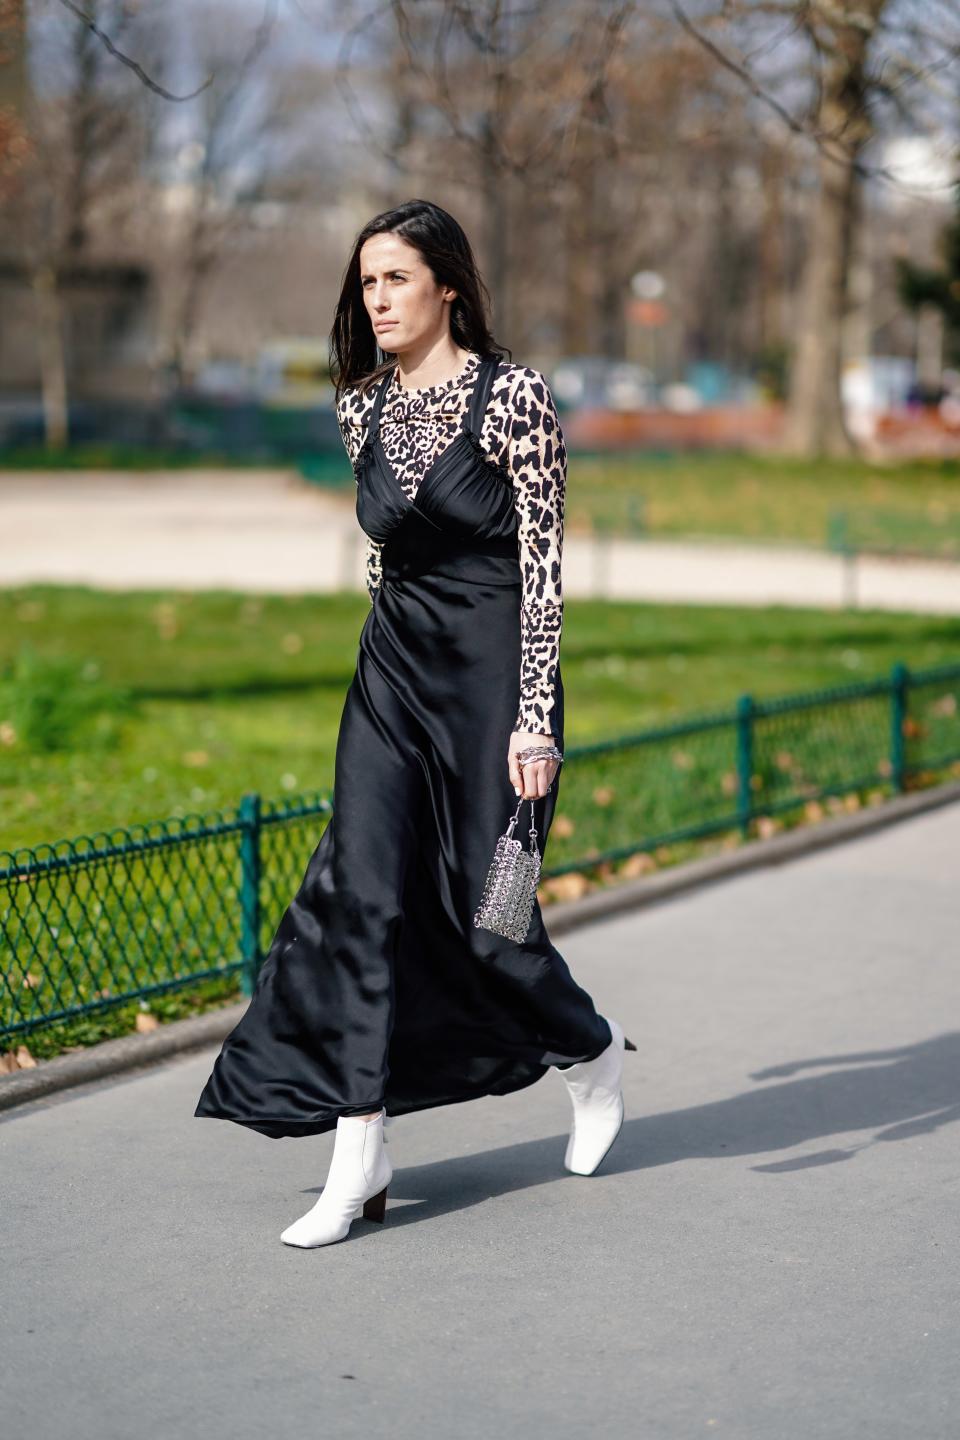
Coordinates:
<point>378,989</point>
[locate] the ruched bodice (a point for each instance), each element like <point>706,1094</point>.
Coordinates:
<point>462,521</point>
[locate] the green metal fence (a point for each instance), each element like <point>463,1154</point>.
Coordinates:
<point>95,922</point>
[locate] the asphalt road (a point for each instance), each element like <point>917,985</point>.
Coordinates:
<point>770,1251</point>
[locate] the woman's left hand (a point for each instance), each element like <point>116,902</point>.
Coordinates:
<point>535,777</point>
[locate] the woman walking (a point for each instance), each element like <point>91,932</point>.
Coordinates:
<point>380,994</point>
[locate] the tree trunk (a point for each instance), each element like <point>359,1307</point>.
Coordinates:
<point>13,62</point>
<point>815,421</point>
<point>771,276</point>
<point>495,189</point>
<point>53,370</point>
<point>930,347</point>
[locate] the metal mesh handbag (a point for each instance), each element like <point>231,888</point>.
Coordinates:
<point>511,885</point>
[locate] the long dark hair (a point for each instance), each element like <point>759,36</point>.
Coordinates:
<point>354,353</point>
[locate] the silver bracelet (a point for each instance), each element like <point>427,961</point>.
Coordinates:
<point>538,752</point>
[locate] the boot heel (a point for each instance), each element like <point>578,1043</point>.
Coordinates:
<point>375,1207</point>
<point>628,1044</point>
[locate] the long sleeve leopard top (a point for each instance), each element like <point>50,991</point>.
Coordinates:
<point>521,431</point>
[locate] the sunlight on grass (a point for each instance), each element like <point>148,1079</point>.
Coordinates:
<point>223,702</point>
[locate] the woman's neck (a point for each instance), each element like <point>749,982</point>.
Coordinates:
<point>422,370</point>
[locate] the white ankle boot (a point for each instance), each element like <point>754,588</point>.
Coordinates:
<point>357,1181</point>
<point>594,1089</point>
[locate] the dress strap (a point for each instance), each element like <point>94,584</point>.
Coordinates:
<point>373,424</point>
<point>480,395</point>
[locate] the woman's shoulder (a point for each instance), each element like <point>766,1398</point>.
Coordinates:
<point>521,396</point>
<point>518,384</point>
<point>514,372</point>
<point>355,402</point>
<point>353,408</point>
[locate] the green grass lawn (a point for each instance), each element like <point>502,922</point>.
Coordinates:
<point>763,498</point>
<point>227,693</point>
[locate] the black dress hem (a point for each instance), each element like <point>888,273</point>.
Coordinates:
<point>280,1128</point>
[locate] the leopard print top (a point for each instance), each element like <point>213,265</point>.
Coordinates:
<point>521,431</point>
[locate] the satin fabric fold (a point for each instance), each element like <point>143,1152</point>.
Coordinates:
<point>378,989</point>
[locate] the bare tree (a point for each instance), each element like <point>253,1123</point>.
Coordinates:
<point>501,100</point>
<point>13,65</point>
<point>591,141</point>
<point>78,156</point>
<point>858,65</point>
<point>815,419</point>
<point>585,139</point>
<point>251,138</point>
<point>121,162</point>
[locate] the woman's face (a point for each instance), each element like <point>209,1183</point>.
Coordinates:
<point>405,304</point>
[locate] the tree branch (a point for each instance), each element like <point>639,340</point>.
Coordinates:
<point>258,45</point>
<point>825,142</point>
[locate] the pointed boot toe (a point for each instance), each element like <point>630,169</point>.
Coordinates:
<point>356,1185</point>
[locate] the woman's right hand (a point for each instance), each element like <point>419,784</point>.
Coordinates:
<point>533,779</point>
